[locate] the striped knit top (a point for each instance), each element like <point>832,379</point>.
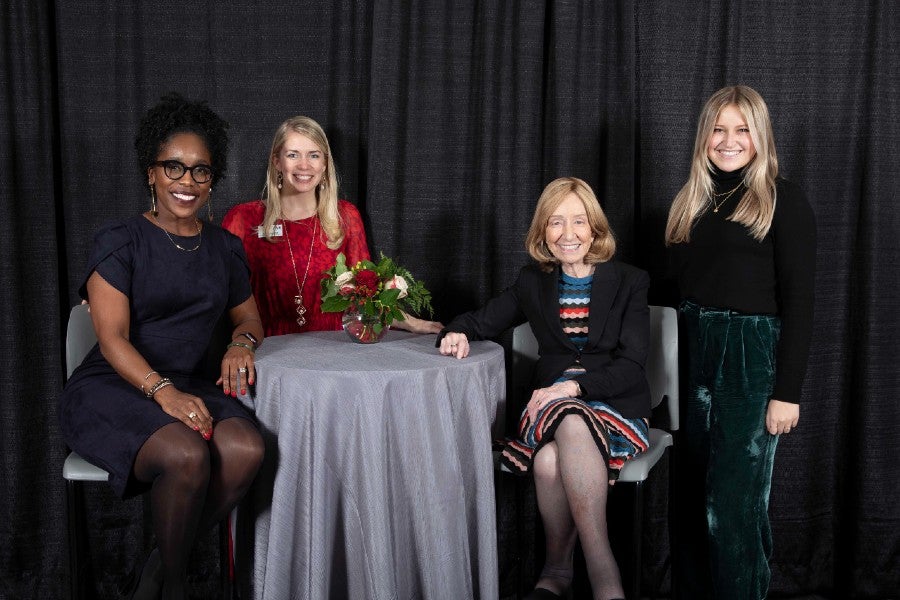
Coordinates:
<point>574,308</point>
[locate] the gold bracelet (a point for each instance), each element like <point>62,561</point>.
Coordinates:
<point>253,341</point>
<point>240,345</point>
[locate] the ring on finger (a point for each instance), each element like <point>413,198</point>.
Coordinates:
<point>192,415</point>
<point>242,370</point>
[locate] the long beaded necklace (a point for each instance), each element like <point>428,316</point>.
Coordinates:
<point>298,299</point>
<point>718,205</point>
<point>177,245</point>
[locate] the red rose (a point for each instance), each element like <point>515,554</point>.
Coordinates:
<point>367,282</point>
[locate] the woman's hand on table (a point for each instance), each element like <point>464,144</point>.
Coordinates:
<point>541,396</point>
<point>187,408</point>
<point>417,325</point>
<point>455,344</point>
<point>238,370</point>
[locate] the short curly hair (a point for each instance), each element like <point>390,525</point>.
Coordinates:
<point>174,114</point>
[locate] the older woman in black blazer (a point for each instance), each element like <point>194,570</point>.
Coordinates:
<point>588,412</point>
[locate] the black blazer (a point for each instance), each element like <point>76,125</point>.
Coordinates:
<point>619,326</point>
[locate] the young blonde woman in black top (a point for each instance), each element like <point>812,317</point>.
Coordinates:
<point>743,247</point>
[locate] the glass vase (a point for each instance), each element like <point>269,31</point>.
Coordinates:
<point>362,328</point>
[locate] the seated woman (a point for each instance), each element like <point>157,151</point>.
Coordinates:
<point>294,234</point>
<point>588,412</point>
<point>157,284</point>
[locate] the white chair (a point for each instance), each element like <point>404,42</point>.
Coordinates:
<point>662,375</point>
<point>80,339</point>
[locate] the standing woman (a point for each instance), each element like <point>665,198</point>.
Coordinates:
<point>743,245</point>
<point>588,412</point>
<point>294,234</point>
<point>157,284</point>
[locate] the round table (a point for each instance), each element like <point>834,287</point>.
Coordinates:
<point>378,479</point>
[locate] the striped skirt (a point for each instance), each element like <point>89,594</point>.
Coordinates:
<point>617,438</point>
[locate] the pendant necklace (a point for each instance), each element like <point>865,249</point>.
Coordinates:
<point>298,299</point>
<point>177,245</point>
<point>718,205</point>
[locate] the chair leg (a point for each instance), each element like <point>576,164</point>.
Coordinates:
<point>633,591</point>
<point>77,534</point>
<point>226,565</point>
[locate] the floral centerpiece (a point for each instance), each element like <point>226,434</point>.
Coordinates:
<point>372,296</point>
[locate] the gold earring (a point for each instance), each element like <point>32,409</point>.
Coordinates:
<point>279,180</point>
<point>153,210</point>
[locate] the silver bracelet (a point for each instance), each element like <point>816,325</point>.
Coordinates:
<point>160,384</point>
<point>146,377</point>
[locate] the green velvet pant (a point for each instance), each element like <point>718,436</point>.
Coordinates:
<point>721,493</point>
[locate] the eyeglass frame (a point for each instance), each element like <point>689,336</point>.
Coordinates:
<point>166,164</point>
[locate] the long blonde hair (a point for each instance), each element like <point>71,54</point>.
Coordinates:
<point>326,192</point>
<point>757,206</point>
<point>603,245</point>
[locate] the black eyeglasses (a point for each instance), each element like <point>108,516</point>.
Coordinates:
<point>175,170</point>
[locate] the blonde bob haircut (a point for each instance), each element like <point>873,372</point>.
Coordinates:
<point>757,206</point>
<point>603,245</point>
<point>326,192</point>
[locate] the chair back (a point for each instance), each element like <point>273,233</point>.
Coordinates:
<point>662,360</point>
<point>522,358</point>
<point>661,368</point>
<point>80,337</point>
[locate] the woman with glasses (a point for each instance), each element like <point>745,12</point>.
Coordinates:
<point>296,231</point>
<point>743,243</point>
<point>157,284</point>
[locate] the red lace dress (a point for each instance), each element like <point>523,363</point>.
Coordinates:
<point>272,274</point>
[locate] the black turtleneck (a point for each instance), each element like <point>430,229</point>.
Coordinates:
<point>724,267</point>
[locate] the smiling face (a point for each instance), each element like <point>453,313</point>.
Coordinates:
<point>568,233</point>
<point>730,146</point>
<point>301,162</point>
<point>180,198</point>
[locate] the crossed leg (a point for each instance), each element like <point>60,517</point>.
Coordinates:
<point>572,487</point>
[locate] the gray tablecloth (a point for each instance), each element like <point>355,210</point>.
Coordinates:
<point>378,481</point>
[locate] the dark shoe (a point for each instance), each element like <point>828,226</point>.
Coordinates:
<point>146,580</point>
<point>542,594</point>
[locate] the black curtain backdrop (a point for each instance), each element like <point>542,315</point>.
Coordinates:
<point>446,120</point>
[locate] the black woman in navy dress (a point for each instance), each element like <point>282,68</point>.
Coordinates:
<point>157,285</point>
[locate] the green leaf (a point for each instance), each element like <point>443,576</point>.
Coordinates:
<point>389,297</point>
<point>335,304</point>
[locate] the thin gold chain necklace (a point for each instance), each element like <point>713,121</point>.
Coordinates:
<point>298,299</point>
<point>718,205</point>
<point>177,245</point>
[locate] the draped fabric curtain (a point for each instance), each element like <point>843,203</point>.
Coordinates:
<point>446,120</point>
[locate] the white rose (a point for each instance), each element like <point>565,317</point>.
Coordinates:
<point>343,279</point>
<point>398,283</point>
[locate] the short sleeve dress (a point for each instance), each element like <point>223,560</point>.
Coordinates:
<point>175,300</point>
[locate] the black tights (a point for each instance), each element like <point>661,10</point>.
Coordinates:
<point>195,485</point>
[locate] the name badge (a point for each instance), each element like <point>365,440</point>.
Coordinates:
<point>276,231</point>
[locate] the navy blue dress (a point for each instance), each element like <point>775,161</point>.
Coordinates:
<point>175,298</point>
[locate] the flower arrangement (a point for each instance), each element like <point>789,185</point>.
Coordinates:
<point>372,295</point>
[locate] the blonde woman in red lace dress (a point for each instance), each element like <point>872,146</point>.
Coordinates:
<point>296,232</point>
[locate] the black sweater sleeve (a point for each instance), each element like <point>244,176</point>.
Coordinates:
<point>492,319</point>
<point>794,237</point>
